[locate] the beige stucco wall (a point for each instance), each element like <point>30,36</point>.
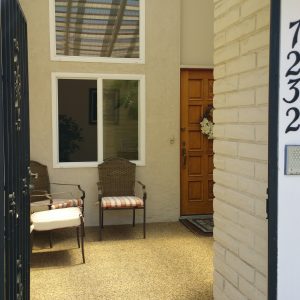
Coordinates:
<point>197,36</point>
<point>161,173</point>
<point>241,147</point>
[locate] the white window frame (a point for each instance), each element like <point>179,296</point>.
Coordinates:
<point>99,77</point>
<point>55,57</point>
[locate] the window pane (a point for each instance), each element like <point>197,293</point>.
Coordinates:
<point>77,114</point>
<point>120,118</point>
<point>98,28</point>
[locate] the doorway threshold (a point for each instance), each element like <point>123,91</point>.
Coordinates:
<point>199,224</point>
<point>208,216</point>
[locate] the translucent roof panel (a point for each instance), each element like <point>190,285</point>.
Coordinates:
<point>98,28</point>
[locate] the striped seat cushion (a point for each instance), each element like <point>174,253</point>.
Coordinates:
<point>64,203</point>
<point>122,202</point>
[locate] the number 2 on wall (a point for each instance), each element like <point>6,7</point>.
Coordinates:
<point>291,126</point>
<point>291,70</point>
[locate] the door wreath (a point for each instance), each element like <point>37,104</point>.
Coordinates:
<point>206,123</point>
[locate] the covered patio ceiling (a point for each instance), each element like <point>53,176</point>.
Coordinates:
<point>100,28</point>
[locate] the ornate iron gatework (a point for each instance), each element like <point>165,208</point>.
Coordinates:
<point>14,154</point>
<point>18,85</point>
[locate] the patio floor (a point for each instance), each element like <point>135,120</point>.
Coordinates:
<point>172,263</point>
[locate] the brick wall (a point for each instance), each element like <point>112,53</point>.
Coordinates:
<point>240,175</point>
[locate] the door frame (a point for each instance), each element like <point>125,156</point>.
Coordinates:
<point>2,207</point>
<point>272,201</point>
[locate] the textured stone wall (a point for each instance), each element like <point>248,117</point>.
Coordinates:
<point>241,62</point>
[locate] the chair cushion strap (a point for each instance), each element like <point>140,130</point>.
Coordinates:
<point>64,203</point>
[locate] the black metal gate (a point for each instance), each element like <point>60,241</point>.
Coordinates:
<point>14,154</point>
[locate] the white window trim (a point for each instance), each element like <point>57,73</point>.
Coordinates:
<point>99,77</point>
<point>55,57</point>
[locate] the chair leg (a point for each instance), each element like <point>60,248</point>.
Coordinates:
<point>82,238</point>
<point>102,218</point>
<point>133,221</point>
<point>83,218</point>
<point>100,222</point>
<point>50,239</point>
<point>144,222</point>
<point>77,233</point>
<point>31,242</point>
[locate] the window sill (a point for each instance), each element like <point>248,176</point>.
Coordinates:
<point>73,165</point>
<point>115,60</point>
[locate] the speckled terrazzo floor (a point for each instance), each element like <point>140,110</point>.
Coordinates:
<point>172,263</point>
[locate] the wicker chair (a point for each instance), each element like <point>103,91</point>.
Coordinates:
<point>38,198</point>
<point>48,212</point>
<point>48,220</point>
<point>116,189</point>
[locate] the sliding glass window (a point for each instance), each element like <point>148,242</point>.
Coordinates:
<point>94,119</point>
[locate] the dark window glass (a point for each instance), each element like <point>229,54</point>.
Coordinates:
<point>77,115</point>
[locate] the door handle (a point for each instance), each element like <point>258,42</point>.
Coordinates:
<point>184,156</point>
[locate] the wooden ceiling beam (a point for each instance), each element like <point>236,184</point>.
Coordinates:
<point>111,39</point>
<point>69,7</point>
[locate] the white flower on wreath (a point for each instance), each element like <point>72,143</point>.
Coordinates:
<point>207,128</point>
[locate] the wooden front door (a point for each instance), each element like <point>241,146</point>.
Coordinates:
<point>196,150</point>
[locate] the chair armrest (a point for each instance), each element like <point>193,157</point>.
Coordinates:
<point>100,192</point>
<point>144,190</point>
<point>140,183</point>
<point>39,191</point>
<point>71,184</point>
<point>46,195</point>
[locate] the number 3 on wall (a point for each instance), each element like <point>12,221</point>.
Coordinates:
<point>293,82</point>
